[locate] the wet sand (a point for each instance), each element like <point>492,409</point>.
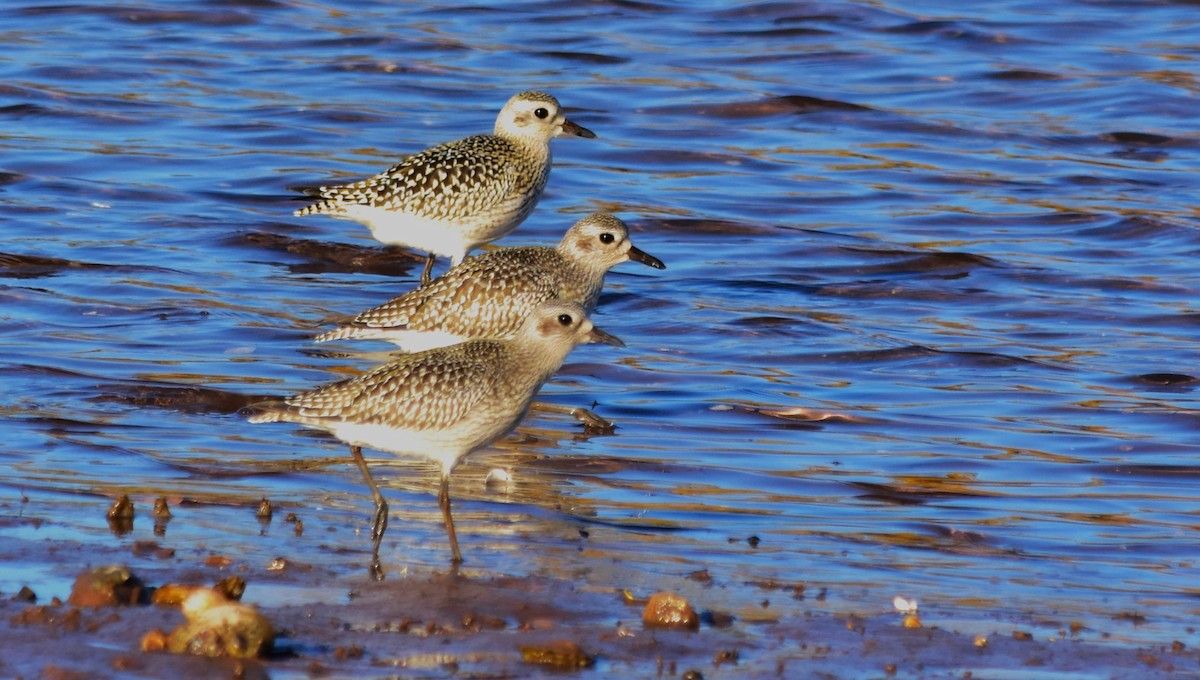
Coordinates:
<point>473,624</point>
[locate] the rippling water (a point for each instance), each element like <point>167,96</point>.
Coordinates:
<point>929,322</point>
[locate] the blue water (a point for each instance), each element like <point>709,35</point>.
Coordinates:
<point>928,325</point>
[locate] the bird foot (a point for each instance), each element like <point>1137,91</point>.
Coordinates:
<point>592,423</point>
<point>375,569</point>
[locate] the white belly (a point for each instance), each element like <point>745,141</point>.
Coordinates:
<point>435,236</point>
<point>443,447</point>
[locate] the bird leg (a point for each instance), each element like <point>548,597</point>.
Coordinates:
<point>592,423</point>
<point>444,504</point>
<point>427,270</point>
<point>380,521</point>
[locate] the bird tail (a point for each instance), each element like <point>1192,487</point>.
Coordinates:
<point>324,207</point>
<point>272,411</point>
<point>350,332</point>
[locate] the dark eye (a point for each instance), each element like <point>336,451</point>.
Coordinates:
<point>565,319</point>
<point>607,238</point>
<point>541,113</point>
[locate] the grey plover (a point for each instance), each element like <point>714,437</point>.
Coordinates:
<point>454,197</point>
<point>443,403</point>
<point>490,295</point>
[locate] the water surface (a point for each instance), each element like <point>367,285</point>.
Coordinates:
<point>928,326</point>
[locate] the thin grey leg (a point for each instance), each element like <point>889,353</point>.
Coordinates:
<point>592,423</point>
<point>444,504</point>
<point>425,273</point>
<point>380,521</point>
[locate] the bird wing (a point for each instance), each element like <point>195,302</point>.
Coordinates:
<point>487,295</point>
<point>433,389</point>
<point>456,179</point>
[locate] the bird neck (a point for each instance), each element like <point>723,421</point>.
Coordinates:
<point>536,146</point>
<point>583,275</point>
<point>587,290</point>
<point>535,361</point>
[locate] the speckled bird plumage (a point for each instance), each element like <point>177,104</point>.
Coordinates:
<point>441,404</point>
<point>489,295</point>
<point>457,196</point>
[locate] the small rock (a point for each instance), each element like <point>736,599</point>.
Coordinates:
<point>120,516</point>
<point>232,587</point>
<point>497,477</point>
<point>161,509</point>
<point>668,610</point>
<point>25,594</point>
<point>217,561</point>
<point>264,510</point>
<point>912,621</point>
<point>558,654</point>
<point>122,508</point>
<point>154,641</point>
<point>477,622</point>
<point>856,624</point>
<point>726,656</point>
<point>106,587</point>
<point>217,627</point>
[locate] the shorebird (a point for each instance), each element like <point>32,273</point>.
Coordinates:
<point>490,295</point>
<point>454,197</point>
<point>441,404</point>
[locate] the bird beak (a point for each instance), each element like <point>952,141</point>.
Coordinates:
<point>597,335</point>
<point>638,255</point>
<point>574,130</point>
